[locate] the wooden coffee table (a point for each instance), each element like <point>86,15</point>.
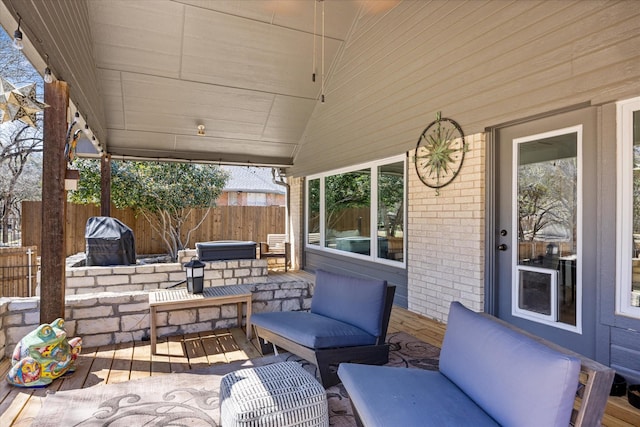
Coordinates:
<point>173,299</point>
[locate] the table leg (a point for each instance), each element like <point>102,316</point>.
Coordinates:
<point>239,310</point>
<point>153,329</point>
<point>249,327</point>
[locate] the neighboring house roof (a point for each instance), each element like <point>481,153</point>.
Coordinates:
<point>251,180</point>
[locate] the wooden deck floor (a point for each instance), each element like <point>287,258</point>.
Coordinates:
<point>124,362</point>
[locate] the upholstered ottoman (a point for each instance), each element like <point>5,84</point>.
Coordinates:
<point>277,395</point>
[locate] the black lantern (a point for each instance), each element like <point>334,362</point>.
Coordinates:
<point>195,276</point>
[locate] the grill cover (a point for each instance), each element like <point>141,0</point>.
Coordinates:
<point>109,242</point>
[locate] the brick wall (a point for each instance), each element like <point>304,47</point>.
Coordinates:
<point>297,220</point>
<point>446,238</point>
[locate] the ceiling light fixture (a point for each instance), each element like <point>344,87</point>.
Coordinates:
<point>200,130</point>
<point>314,71</point>
<point>322,67</point>
<point>17,36</point>
<point>315,24</point>
<point>48,77</point>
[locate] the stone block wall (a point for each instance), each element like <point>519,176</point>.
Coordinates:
<point>446,238</point>
<point>286,296</point>
<point>109,318</point>
<point>87,280</point>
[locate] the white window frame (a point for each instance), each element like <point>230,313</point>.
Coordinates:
<point>373,167</point>
<point>320,242</point>
<point>529,315</point>
<point>624,223</point>
<point>552,317</point>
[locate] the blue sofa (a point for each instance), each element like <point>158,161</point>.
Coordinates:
<point>347,322</point>
<point>489,375</point>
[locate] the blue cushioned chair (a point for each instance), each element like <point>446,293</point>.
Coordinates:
<point>347,323</point>
<point>490,374</point>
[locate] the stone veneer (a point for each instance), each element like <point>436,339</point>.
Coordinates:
<point>112,305</point>
<point>83,280</point>
<point>446,238</point>
<point>109,318</point>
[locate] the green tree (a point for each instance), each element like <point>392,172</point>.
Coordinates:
<point>20,172</point>
<point>391,200</point>
<point>166,194</point>
<point>547,197</point>
<point>345,191</point>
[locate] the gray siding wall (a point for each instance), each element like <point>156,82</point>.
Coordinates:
<point>618,337</point>
<point>482,63</point>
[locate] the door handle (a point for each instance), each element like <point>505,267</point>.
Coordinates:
<point>502,247</point>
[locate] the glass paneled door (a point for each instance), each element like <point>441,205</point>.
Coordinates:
<point>545,185</point>
<point>545,227</point>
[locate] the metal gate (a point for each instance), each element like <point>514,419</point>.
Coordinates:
<point>18,271</point>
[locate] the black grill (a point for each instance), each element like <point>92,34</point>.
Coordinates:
<point>109,242</point>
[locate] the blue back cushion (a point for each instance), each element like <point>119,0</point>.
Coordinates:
<point>515,379</point>
<point>358,302</point>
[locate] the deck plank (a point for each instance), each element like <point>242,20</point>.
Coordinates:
<point>232,351</point>
<point>13,400</point>
<point>141,360</point>
<point>83,368</point>
<point>177,355</point>
<point>212,347</point>
<point>195,351</point>
<point>5,389</point>
<point>14,404</point>
<point>244,345</point>
<point>161,361</point>
<point>34,404</point>
<point>99,372</point>
<point>620,413</point>
<point>121,366</point>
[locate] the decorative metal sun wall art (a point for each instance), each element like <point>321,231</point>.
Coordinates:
<point>440,152</point>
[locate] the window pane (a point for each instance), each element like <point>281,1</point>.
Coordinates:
<point>313,218</point>
<point>635,277</point>
<point>348,211</point>
<point>391,211</point>
<point>535,292</point>
<point>548,219</point>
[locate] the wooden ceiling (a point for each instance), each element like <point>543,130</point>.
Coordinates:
<point>145,73</point>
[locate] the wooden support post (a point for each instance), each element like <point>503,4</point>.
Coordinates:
<point>54,165</point>
<point>105,185</point>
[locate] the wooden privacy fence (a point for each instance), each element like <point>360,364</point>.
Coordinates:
<point>222,223</point>
<point>18,271</point>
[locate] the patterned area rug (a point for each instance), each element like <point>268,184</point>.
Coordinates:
<point>191,398</point>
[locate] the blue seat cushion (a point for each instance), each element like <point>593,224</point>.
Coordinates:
<point>391,396</point>
<point>312,330</point>
<point>517,380</point>
<point>357,301</point>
